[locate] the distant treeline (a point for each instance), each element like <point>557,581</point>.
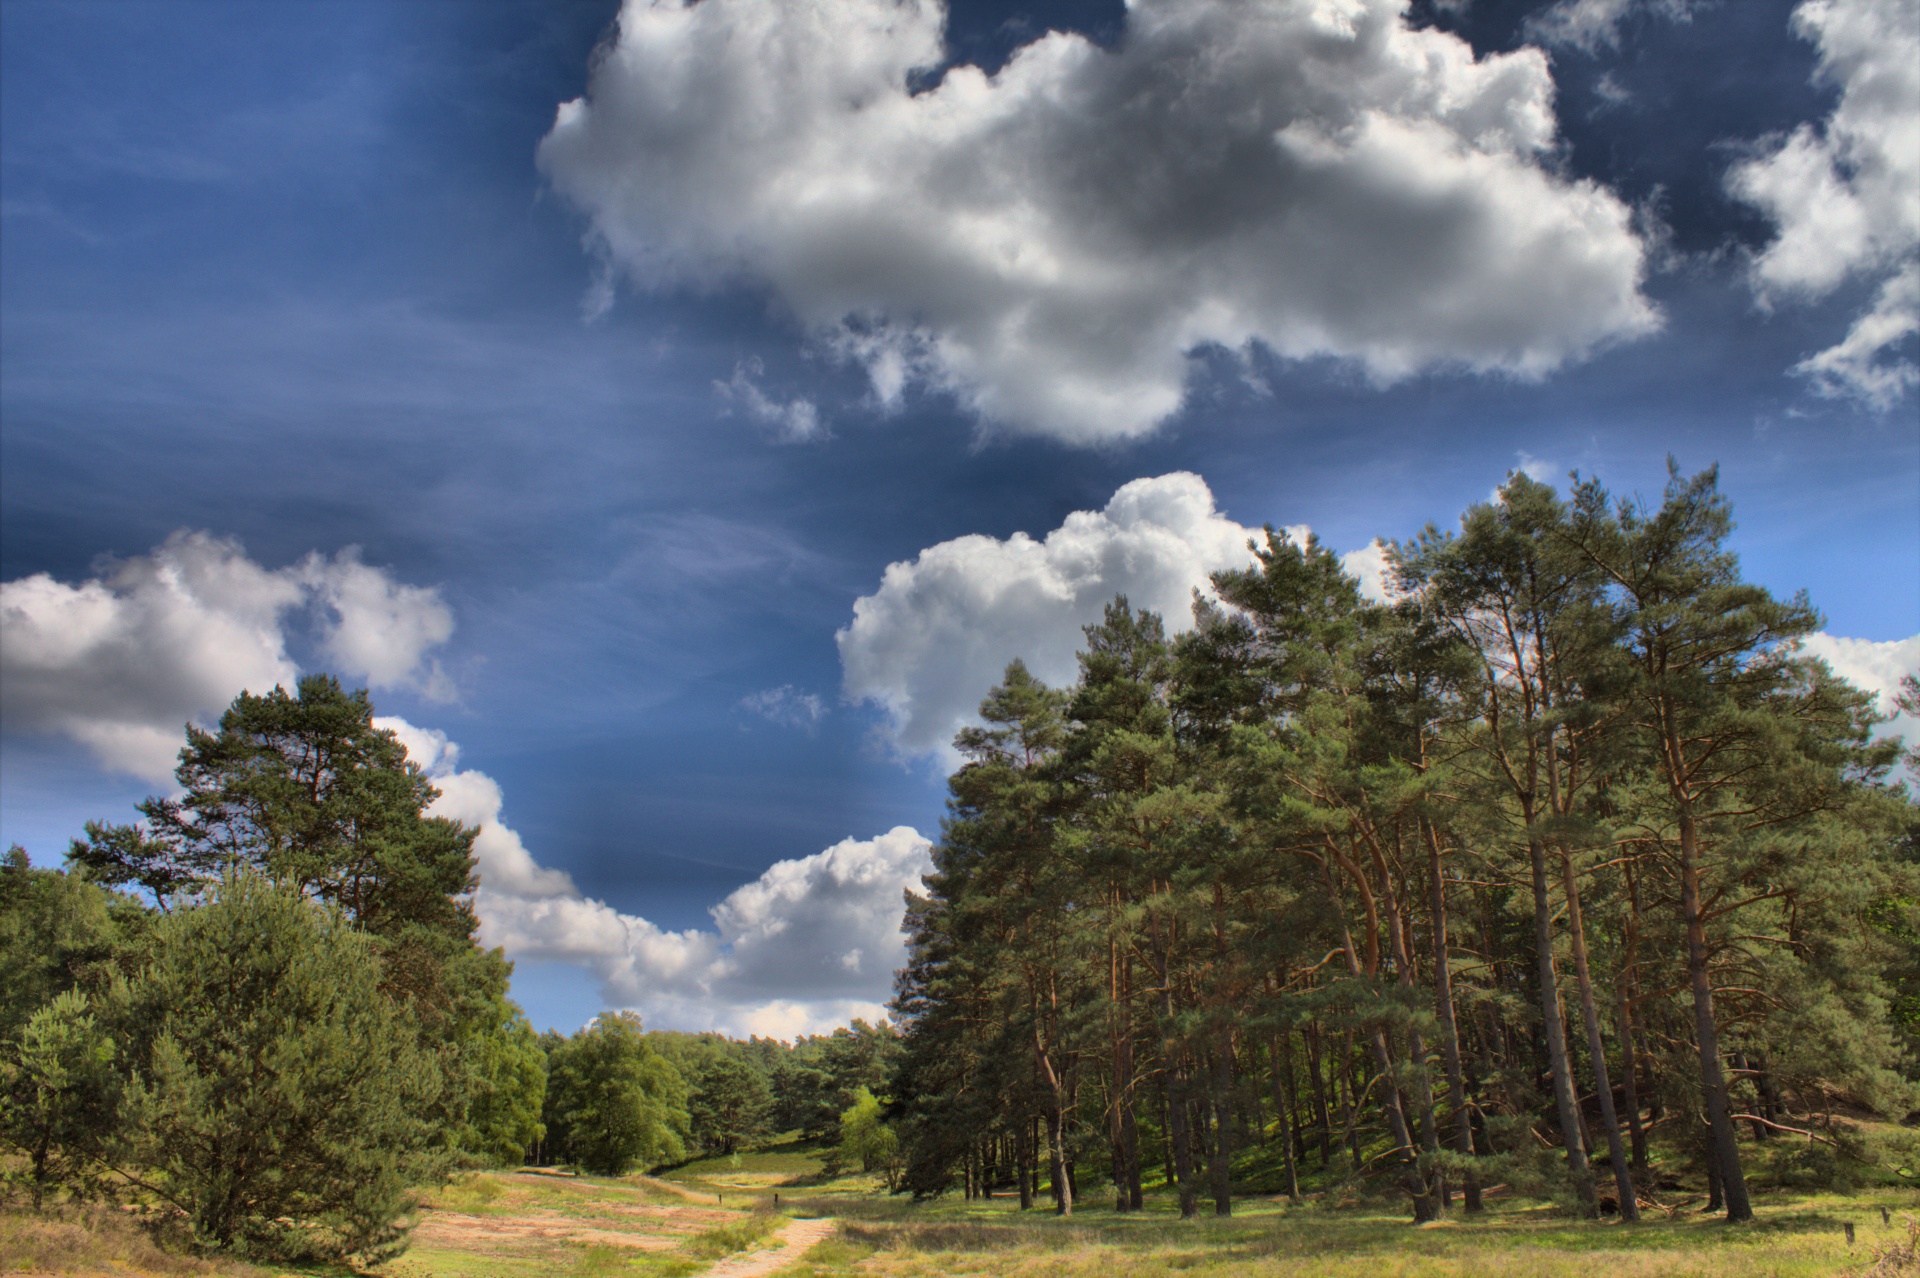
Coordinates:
<point>1568,845</point>
<point>261,1014</point>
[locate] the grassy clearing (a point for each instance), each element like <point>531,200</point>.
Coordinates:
<point>1788,1241</point>
<point>1797,1234</point>
<point>530,1226</point>
<point>500,1225</point>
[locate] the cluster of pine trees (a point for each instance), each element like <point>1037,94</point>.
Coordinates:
<point>1567,847</point>
<point>262,1008</point>
<point>263,1011</point>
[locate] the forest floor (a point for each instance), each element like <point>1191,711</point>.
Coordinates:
<point>717,1218</point>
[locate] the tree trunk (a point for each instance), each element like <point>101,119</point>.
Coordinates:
<point>1555,1031</point>
<point>1123,1133</point>
<point>1179,1138</point>
<point>1596,1049</point>
<point>1629,1081</point>
<point>1713,1081</point>
<point>1280,1048</point>
<point>1383,1056</point>
<point>1449,1027</point>
<point>1322,1113</point>
<point>1023,1137</point>
<point>1222,1166</point>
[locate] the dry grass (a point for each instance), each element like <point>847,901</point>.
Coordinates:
<point>96,1241</point>
<point>1792,1239</point>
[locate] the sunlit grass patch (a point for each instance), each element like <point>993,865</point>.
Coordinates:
<point>741,1235</point>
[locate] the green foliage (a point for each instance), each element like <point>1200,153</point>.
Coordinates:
<point>613,1102</point>
<point>304,790</point>
<point>1573,815</point>
<point>864,1138</point>
<point>274,1094</point>
<point>55,929</point>
<point>61,1097</point>
<point>815,1081</point>
<point>729,1105</point>
<point>508,1089</point>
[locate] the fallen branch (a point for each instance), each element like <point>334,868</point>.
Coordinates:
<point>1779,1127</point>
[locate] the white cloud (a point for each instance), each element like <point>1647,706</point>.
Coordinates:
<point>786,707</point>
<point>473,798</point>
<point>1875,667</point>
<point>1846,195</point>
<point>1593,25</point>
<point>123,660</point>
<point>795,421</point>
<point>1853,366</point>
<point>378,627</point>
<point>940,630</point>
<point>1050,243</point>
<point>810,944</point>
<point>1368,566</point>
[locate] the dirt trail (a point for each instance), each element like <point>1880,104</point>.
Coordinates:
<point>791,1243</point>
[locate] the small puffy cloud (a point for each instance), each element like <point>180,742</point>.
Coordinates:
<point>473,798</point>
<point>810,944</point>
<point>122,661</point>
<point>1846,195</point>
<point>1050,243</point>
<point>378,627</point>
<point>795,421</point>
<point>786,707</point>
<point>1593,25</point>
<point>1876,667</point>
<point>1368,566</point>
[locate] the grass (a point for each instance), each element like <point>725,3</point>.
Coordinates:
<point>498,1225</point>
<point>1272,1241</point>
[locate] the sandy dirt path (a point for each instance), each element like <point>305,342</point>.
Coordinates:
<point>794,1240</point>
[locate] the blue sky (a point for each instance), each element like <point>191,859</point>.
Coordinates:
<point>624,424</point>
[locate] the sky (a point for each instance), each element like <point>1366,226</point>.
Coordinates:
<point>678,415</point>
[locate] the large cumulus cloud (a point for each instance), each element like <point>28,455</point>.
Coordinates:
<point>1051,242</point>
<point>122,660</point>
<point>937,634</point>
<point>810,944</point>
<point>1845,195</point>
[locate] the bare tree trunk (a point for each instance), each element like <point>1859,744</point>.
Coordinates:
<point>1222,1167</point>
<point>1390,1100</point>
<point>1713,1080</point>
<point>1555,1031</point>
<point>1121,1129</point>
<point>1323,1115</point>
<point>1449,1027</point>
<point>1629,1081</point>
<point>1023,1136</point>
<point>1596,1049</point>
<point>1173,1076</point>
<point>1285,1100</point>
